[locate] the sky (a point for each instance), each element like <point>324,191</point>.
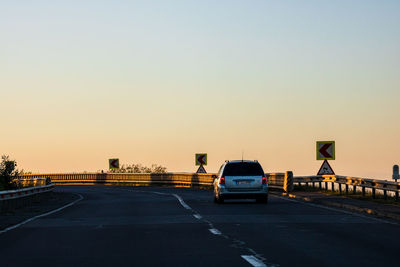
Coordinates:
<point>154,82</point>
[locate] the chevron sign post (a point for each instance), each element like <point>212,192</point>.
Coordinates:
<point>201,160</point>
<point>325,152</point>
<point>113,163</point>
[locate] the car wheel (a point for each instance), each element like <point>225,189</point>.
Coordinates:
<point>218,199</point>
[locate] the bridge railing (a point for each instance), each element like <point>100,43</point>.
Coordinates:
<point>275,180</point>
<point>347,184</point>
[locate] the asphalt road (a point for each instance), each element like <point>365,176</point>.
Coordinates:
<point>151,226</point>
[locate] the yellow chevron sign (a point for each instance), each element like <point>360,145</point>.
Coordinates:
<point>201,159</point>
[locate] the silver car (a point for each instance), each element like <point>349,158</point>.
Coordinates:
<point>240,179</point>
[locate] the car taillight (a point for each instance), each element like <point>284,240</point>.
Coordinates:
<point>264,180</point>
<point>222,180</point>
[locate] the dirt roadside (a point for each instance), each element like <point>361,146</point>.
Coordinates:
<point>382,210</point>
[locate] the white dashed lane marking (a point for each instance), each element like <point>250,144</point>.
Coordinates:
<point>197,216</point>
<point>214,231</point>
<point>186,206</point>
<point>253,261</point>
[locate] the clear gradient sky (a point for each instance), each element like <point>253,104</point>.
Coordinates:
<point>158,81</point>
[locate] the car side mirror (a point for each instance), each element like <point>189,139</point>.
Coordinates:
<point>214,176</point>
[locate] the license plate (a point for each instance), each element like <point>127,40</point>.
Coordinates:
<point>243,182</point>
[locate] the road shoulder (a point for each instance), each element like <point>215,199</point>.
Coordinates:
<point>51,201</point>
<point>381,210</point>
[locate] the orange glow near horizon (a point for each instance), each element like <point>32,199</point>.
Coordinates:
<point>157,85</point>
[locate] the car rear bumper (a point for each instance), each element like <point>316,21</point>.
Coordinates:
<point>236,194</point>
<point>244,195</point>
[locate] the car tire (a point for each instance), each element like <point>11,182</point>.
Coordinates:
<point>218,199</point>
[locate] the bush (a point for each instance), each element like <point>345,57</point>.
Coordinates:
<point>139,168</point>
<point>7,173</point>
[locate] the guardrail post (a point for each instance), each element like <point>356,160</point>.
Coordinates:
<point>384,194</point>
<point>363,191</point>
<point>397,195</point>
<point>354,189</point>
<point>340,188</point>
<point>333,187</point>
<point>320,185</point>
<point>373,192</point>
<point>347,189</point>
<point>326,186</point>
<point>288,182</point>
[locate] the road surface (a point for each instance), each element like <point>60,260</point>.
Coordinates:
<point>153,226</point>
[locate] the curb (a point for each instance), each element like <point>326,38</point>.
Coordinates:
<point>346,206</point>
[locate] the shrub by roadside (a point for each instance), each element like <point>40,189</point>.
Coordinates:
<point>139,168</point>
<point>7,173</point>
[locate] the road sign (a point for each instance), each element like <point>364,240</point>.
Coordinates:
<point>201,159</point>
<point>396,174</point>
<point>326,169</point>
<point>113,163</point>
<point>201,169</point>
<point>325,150</point>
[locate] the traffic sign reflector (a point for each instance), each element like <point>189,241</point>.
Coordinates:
<point>201,159</point>
<point>325,150</point>
<point>326,169</point>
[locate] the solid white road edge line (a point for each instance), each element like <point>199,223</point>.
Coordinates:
<point>337,210</point>
<point>214,231</point>
<point>42,215</point>
<point>186,206</point>
<point>253,261</point>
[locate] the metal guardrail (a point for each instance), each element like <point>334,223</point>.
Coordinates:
<point>275,180</point>
<point>281,181</point>
<point>30,186</point>
<point>24,192</point>
<point>177,179</point>
<point>33,189</point>
<point>31,182</point>
<point>346,181</point>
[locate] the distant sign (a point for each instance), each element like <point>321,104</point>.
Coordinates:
<point>325,150</point>
<point>326,169</point>
<point>113,163</point>
<point>396,174</point>
<point>201,159</point>
<point>201,169</point>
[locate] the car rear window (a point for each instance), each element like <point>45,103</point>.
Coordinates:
<point>243,169</point>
